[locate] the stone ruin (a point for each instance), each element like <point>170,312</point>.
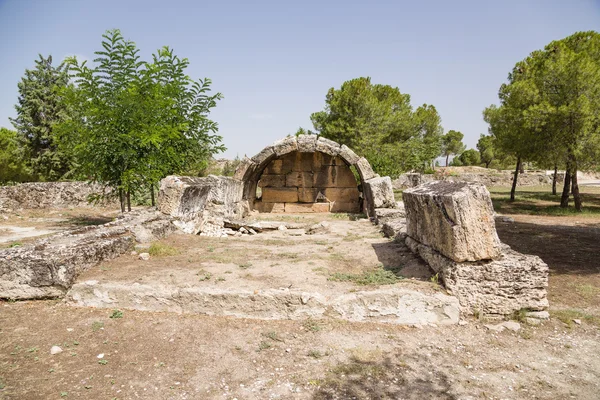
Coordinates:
<point>303,174</point>
<point>449,225</point>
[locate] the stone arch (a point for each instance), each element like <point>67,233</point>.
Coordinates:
<point>251,169</point>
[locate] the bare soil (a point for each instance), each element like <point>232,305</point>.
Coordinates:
<point>150,355</point>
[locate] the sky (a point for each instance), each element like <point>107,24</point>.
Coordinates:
<point>274,61</point>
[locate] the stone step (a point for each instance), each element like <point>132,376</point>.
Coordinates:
<point>393,305</point>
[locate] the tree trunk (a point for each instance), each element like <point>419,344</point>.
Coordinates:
<point>487,164</point>
<point>575,187</point>
<point>122,200</point>
<point>554,179</point>
<point>152,195</point>
<point>564,199</point>
<point>514,184</point>
<point>447,156</point>
<point>128,201</point>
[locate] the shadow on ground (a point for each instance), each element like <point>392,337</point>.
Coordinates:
<point>398,258</point>
<point>566,249</point>
<point>83,220</point>
<point>390,378</point>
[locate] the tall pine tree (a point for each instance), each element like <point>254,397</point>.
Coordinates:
<point>39,109</point>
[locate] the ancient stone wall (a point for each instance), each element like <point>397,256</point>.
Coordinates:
<point>36,195</point>
<point>308,182</point>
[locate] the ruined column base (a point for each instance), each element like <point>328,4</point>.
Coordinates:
<point>510,283</point>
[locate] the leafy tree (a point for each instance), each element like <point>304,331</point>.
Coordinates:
<point>452,144</point>
<point>470,157</point>
<point>12,167</point>
<point>485,145</point>
<point>135,121</point>
<point>378,122</point>
<point>40,107</point>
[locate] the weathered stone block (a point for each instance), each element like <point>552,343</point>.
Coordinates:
<point>299,179</point>
<point>364,169</point>
<point>335,176</point>
<point>351,207</point>
<point>285,146</point>
<point>243,170</point>
<point>307,143</point>
<point>271,181</point>
<point>263,207</point>
<point>453,218</point>
<point>378,194</point>
<point>297,208</point>
<point>308,195</point>
<point>342,195</point>
<point>275,167</point>
<point>510,283</point>
<point>348,155</point>
<point>328,146</point>
<point>192,201</point>
<point>264,156</point>
<point>280,195</point>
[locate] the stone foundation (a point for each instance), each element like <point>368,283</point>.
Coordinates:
<point>47,267</point>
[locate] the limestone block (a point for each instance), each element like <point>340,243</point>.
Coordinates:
<point>192,200</point>
<point>342,195</point>
<point>244,168</point>
<point>264,156</point>
<point>454,218</point>
<point>299,179</point>
<point>348,155</point>
<point>275,167</point>
<point>298,162</point>
<point>308,195</point>
<point>271,181</point>
<point>307,143</point>
<point>383,215</point>
<point>364,169</point>
<point>378,194</point>
<point>351,207</point>
<point>512,282</point>
<point>328,146</point>
<point>280,195</point>
<point>393,227</point>
<point>295,208</point>
<point>335,176</point>
<point>285,146</point>
<point>263,207</point>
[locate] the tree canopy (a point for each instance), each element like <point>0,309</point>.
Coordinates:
<point>39,108</point>
<point>550,108</point>
<point>452,144</point>
<point>378,122</point>
<point>134,121</point>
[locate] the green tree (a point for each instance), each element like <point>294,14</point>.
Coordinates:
<point>550,108</point>
<point>378,122</point>
<point>469,157</point>
<point>452,144</point>
<point>485,145</point>
<point>135,121</point>
<point>12,167</point>
<point>39,108</point>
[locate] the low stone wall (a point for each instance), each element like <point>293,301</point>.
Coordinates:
<point>486,177</point>
<point>450,225</point>
<point>48,267</point>
<point>37,195</point>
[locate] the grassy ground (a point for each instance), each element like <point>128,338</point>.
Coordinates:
<point>539,200</point>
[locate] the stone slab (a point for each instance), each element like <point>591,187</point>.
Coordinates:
<point>307,143</point>
<point>271,181</point>
<point>342,195</point>
<point>299,179</point>
<point>345,207</point>
<point>510,283</point>
<point>264,207</point>
<point>328,146</point>
<point>285,146</point>
<point>280,195</point>
<point>293,208</point>
<point>335,176</point>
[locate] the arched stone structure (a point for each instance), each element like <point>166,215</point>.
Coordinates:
<point>327,155</point>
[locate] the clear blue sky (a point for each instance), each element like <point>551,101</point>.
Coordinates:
<point>275,60</point>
